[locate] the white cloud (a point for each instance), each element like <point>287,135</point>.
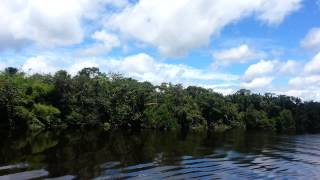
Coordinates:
<point>262,74</point>
<point>312,39</point>
<point>241,54</point>
<point>175,27</point>
<point>224,91</point>
<point>224,88</point>
<point>39,64</point>
<point>105,42</point>
<point>313,66</point>
<point>145,68</point>
<point>48,23</point>
<point>274,11</point>
<point>307,81</point>
<point>290,67</point>
<point>105,37</point>
<point>42,21</point>
<point>259,82</point>
<point>306,94</point>
<point>260,69</point>
<point>139,66</point>
<point>76,67</point>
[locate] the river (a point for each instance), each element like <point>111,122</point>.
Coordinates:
<point>158,155</point>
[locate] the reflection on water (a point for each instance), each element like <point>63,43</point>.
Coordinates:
<point>157,155</point>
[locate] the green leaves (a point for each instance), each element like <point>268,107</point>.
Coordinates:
<point>94,99</point>
<point>285,121</point>
<point>258,120</point>
<point>47,114</point>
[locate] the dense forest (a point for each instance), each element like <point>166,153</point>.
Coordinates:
<point>111,101</point>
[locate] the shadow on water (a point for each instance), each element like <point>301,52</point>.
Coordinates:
<point>158,155</point>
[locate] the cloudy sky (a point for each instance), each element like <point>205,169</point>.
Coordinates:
<point>262,45</point>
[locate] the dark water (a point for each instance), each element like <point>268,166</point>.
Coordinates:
<point>156,155</point>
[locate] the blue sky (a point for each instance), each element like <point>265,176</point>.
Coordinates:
<point>261,45</point>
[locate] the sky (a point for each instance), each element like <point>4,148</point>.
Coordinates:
<point>261,45</point>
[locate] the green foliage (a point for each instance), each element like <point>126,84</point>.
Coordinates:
<point>47,115</point>
<point>258,120</point>
<point>159,117</point>
<point>285,121</point>
<point>29,118</point>
<point>110,101</point>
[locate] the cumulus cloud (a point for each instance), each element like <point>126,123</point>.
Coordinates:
<point>313,66</point>
<point>262,74</point>
<point>224,91</point>
<point>145,68</point>
<point>76,67</point>
<point>256,83</point>
<point>273,11</point>
<point>175,27</point>
<point>312,39</point>
<point>305,94</point>
<point>105,42</point>
<point>259,69</point>
<point>241,54</point>
<point>310,76</point>
<point>139,66</point>
<point>290,67</point>
<point>225,88</point>
<point>48,23</point>
<point>305,81</point>
<point>42,21</point>
<point>40,64</point>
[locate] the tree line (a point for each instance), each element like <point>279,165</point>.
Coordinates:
<point>111,101</point>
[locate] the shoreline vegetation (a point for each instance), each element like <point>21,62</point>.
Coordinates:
<point>92,99</point>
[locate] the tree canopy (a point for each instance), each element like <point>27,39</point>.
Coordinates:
<point>111,101</point>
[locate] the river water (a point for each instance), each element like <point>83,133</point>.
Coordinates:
<point>158,155</point>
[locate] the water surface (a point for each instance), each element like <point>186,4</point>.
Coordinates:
<point>158,155</point>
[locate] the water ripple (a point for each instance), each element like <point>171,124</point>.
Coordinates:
<point>163,157</point>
